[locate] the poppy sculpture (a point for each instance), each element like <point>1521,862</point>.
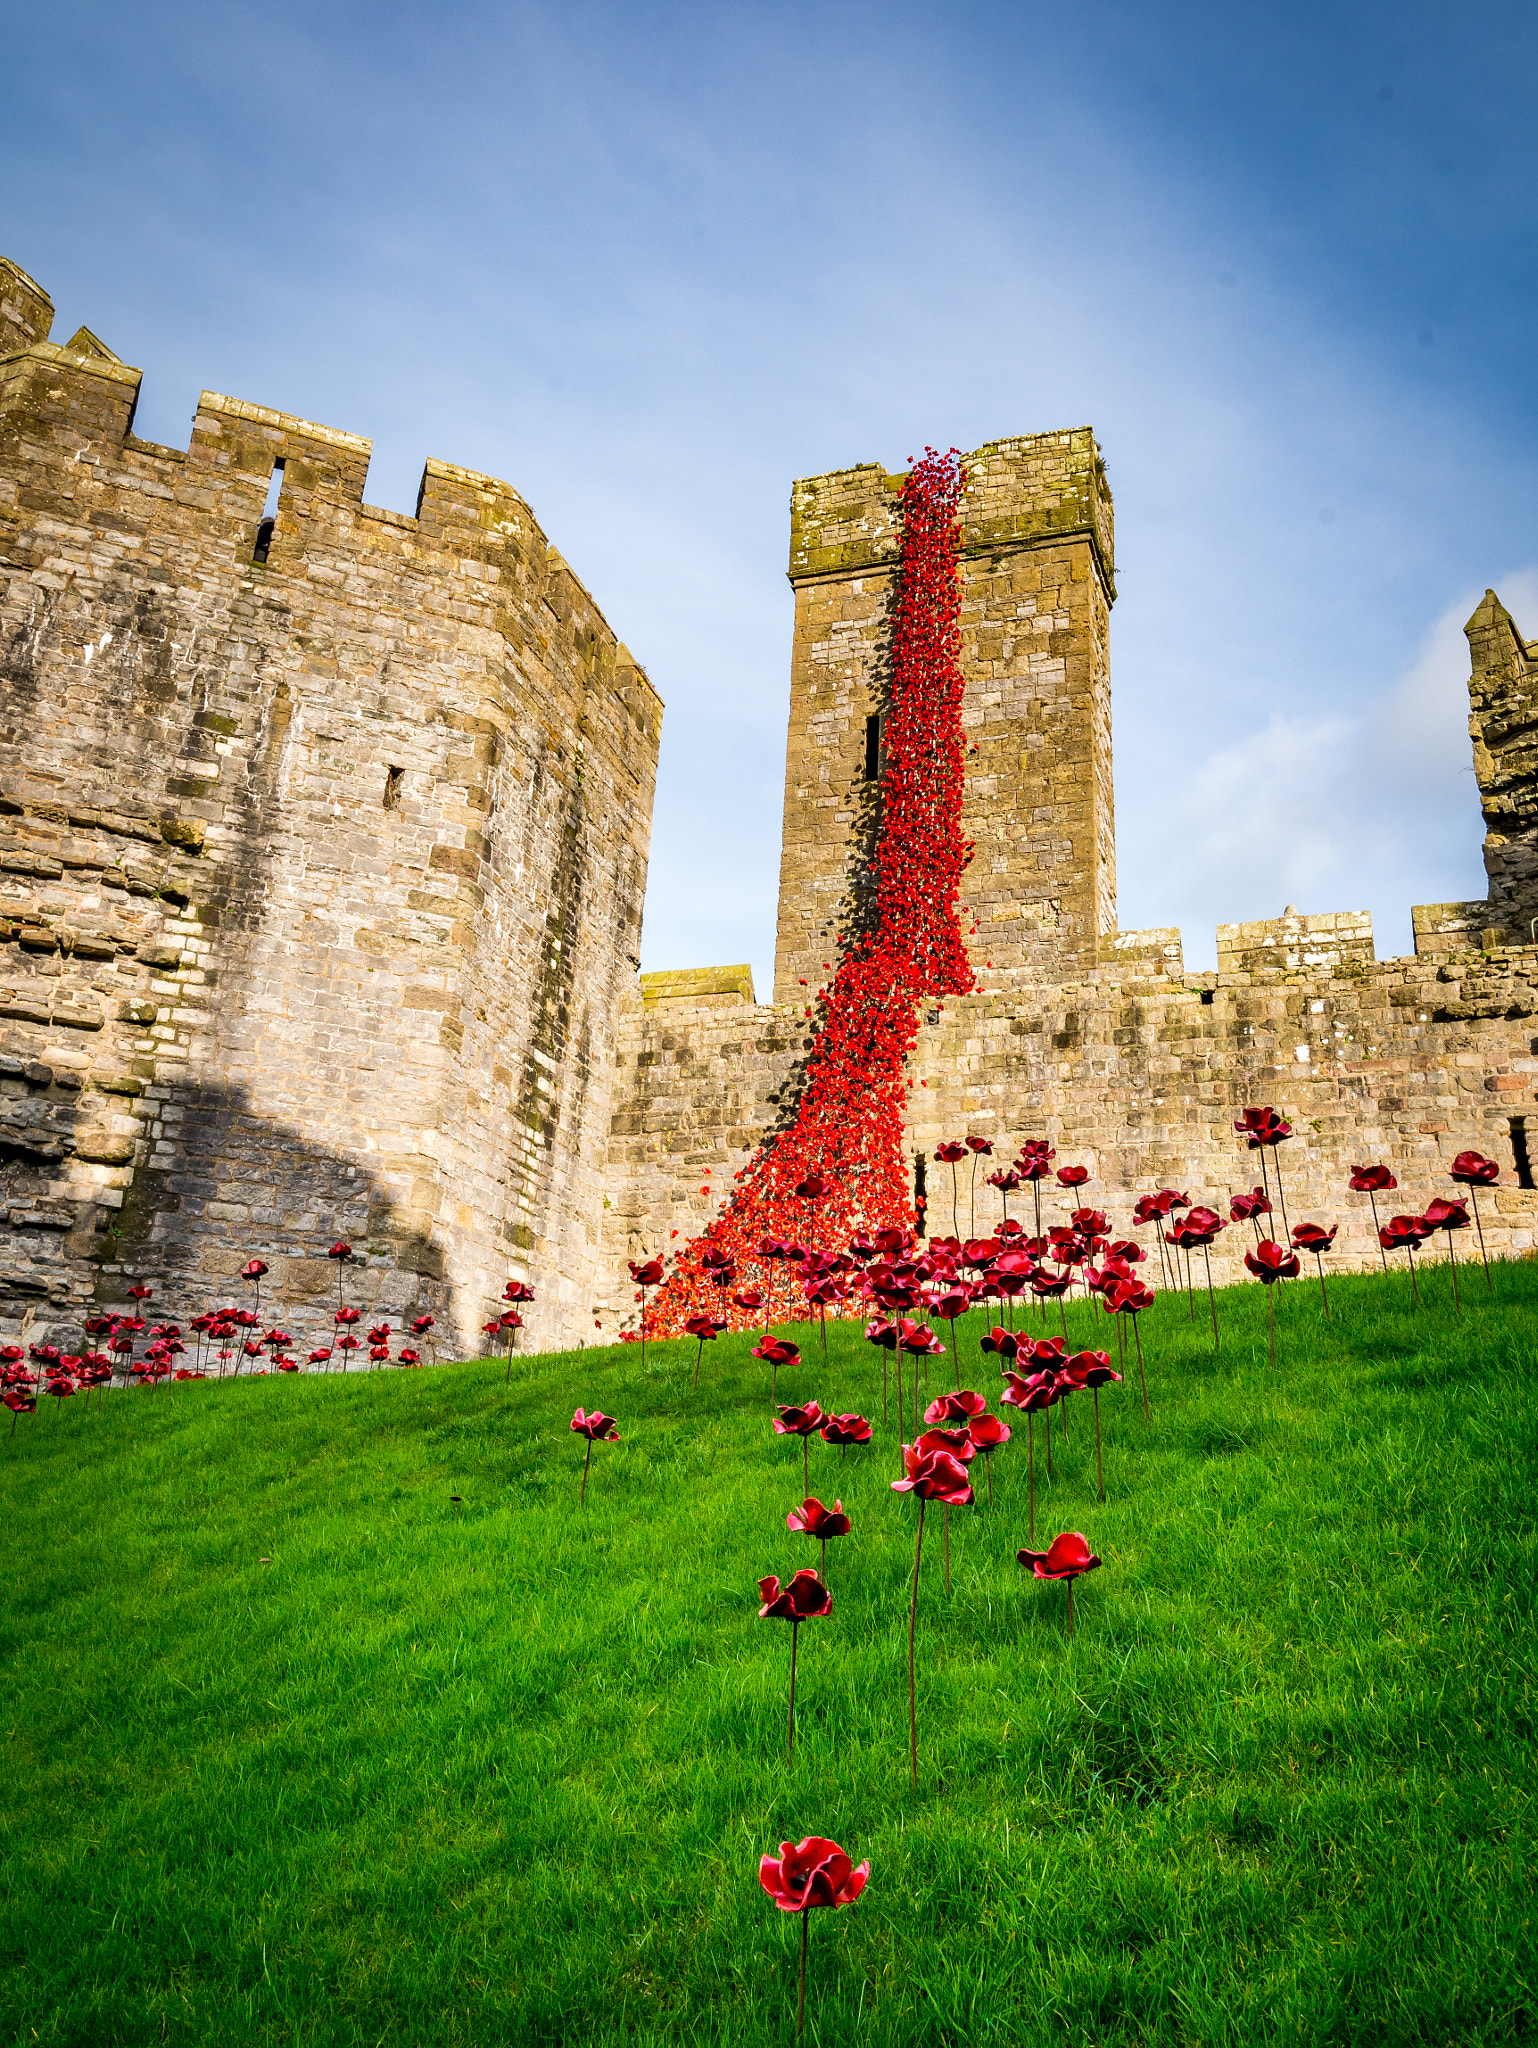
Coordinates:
<point>812,1189</point>
<point>341,1251</point>
<point>1270,1262</point>
<point>775,1352</point>
<point>812,1872</point>
<point>598,1428</point>
<point>1250,1208</point>
<point>1313,1237</point>
<point>951,1154</point>
<point>1406,1234</point>
<point>1092,1369</point>
<point>21,1401</point>
<point>823,1524</point>
<point>803,1598</point>
<point>253,1270</point>
<point>845,1430</point>
<point>1373,1181</point>
<point>980,1148</point>
<point>988,1435</point>
<point>645,1273</point>
<point>1476,1172</point>
<point>1066,1557</point>
<point>932,1475</point>
<point>958,1443</point>
<point>1033,1395</point>
<point>706,1329</point>
<point>1263,1127</point>
<point>1442,1214</point>
<point>805,1422</point>
<point>1131,1298</point>
<point>1195,1232</point>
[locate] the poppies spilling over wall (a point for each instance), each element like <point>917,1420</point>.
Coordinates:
<point>848,1126</point>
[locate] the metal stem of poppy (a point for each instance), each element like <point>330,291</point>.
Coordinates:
<point>1063,1314</point>
<point>806,1446</point>
<point>822,1317</point>
<point>806,1917</point>
<point>1280,1196</point>
<point>972,1208</point>
<point>1099,1468</point>
<point>1212,1301</point>
<point>1142,1381</point>
<point>698,1355</point>
<point>1030,1465</point>
<point>1271,1317</point>
<point>1047,1418</point>
<point>822,1563</point>
<point>1377,1229</point>
<point>1453,1256</point>
<point>795,1629</point>
<point>913,1610</point>
<point>885,1363</point>
<point>585,1463</point>
<point>1479,1226</point>
<point>1190,1289</point>
<point>1070,1606</point>
<point>988,1468</point>
<point>1414,1283</point>
<point>643,1329</point>
<point>947,1528</point>
<point>1323,1290</point>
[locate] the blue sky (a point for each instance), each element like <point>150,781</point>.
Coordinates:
<point>652,263</point>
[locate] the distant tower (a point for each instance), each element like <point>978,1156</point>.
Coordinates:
<point>1037,564</point>
<point>1503,724</point>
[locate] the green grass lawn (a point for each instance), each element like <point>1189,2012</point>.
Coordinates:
<point>297,1754</point>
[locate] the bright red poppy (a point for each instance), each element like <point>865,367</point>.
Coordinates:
<point>811,1873</point>
<point>1474,1170</point>
<point>597,1427</point>
<point>1067,1556</point>
<point>958,1408</point>
<point>934,1474</point>
<point>1271,1262</point>
<point>1377,1180</point>
<point>845,1430</point>
<point>1313,1237</point>
<point>340,1250</point>
<point>1073,1176</point>
<point>801,1598</point>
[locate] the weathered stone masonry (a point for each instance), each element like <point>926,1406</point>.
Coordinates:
<point>1094,1037</point>
<point>320,874</point>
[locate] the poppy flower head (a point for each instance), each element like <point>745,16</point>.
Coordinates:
<point>816,1187</point>
<point>1313,1237</point>
<point>979,1144</point>
<point>380,1353</point>
<point>958,1408</point>
<point>1377,1180</point>
<point>805,1420</point>
<point>813,1872</point>
<point>347,1316</point>
<point>951,1302</point>
<point>318,1357</point>
<point>846,1429</point>
<point>950,1152</point>
<point>422,1325</point>
<point>1067,1556</point>
<point>597,1427</point>
<point>1003,1342</point>
<point>1126,1251</point>
<point>934,1475</point>
<point>1091,1369</point>
<point>749,1299</point>
<point>380,1334</point>
<point>956,1441</point>
<point>800,1599</point>
<point>253,1269</point>
<point>1073,1176</point>
<point>1006,1179</point>
<point>706,1328</point>
<point>778,1351</point>
<point>517,1290</point>
<point>918,1340</point>
<point>340,1250</point>
<point>1473,1169</point>
<point>1404,1233</point>
<point>1262,1127</point>
<point>1048,1284</point>
<point>1243,1208</point>
<point>1127,1298</point>
<point>647,1273</point>
<point>1270,1262</point>
<point>1442,1214</point>
<point>141,1293</point>
<point>987,1432</point>
<point>813,1519</point>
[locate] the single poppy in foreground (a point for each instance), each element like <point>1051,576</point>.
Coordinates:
<point>1442,1214</point>
<point>1092,1369</point>
<point>812,1872</point>
<point>932,1475</point>
<point>988,1435</point>
<point>1067,1557</point>
<point>775,1352</point>
<point>813,1519</point>
<point>706,1328</point>
<point>845,1430</point>
<point>803,1422</point>
<point>1406,1234</point>
<point>645,1273</point>
<point>1270,1262</point>
<point>1476,1172</point>
<point>803,1598</point>
<point>597,1428</point>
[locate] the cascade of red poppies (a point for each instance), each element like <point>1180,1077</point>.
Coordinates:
<point>848,1124</point>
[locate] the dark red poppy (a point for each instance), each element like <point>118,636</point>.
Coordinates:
<point>955,1441</point>
<point>1270,1262</point>
<point>422,1324</point>
<point>958,1408</point>
<point>1032,1393</point>
<point>1244,1208</point>
<point>934,1475</point>
<point>706,1328</point>
<point>318,1357</point>
<point>918,1340</point>
<point>340,1250</point>
<point>987,1433</point>
<point>950,1302</point>
<point>1262,1127</point>
<point>815,1187</point>
<point>253,1269</point>
<point>143,1293</point>
<point>1090,1369</point>
<point>813,1519</point>
<point>1073,1176</point>
<point>802,1598</point>
<point>380,1354</point>
<point>597,1427</point>
<point>1313,1237</point>
<point>950,1152</point>
<point>1474,1170</point>
<point>1377,1180</point>
<point>799,1421</point>
<point>845,1430</point>
<point>517,1290</point>
<point>1067,1556</point>
<point>646,1274</point>
<point>979,1144</point>
<point>810,1873</point>
<point>1404,1233</point>
<point>1443,1214</point>
<point>348,1316</point>
<point>881,1330</point>
<point>1001,1342</point>
<point>1051,1285</point>
<point>749,1299</point>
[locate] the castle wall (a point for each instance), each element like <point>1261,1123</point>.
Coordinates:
<point>1399,1062</point>
<point>321,876</point>
<point>1036,554</point>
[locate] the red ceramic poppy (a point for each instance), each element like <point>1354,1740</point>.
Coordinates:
<point>647,1274</point>
<point>1262,1127</point>
<point>253,1270</point>
<point>749,1299</point>
<point>934,1475</point>
<point>799,1421</point>
<point>318,1357</point>
<point>142,1293</point>
<point>1032,1395</point>
<point>810,1873</point>
<point>1442,1214</point>
<point>950,1152</point>
<point>380,1354</point>
<point>987,1432</point>
<point>846,1430</point>
<point>958,1408</point>
<point>1473,1169</point>
<point>348,1316</point>
<point>815,1187</point>
<point>1313,1237</point>
<point>597,1427</point>
<point>1050,1285</point>
<point>1067,1556</point>
<point>1090,1369</point>
<point>1073,1176</point>
<point>1002,1342</point>
<point>409,1357</point>
<point>1243,1208</point>
<point>778,1351</point>
<point>1377,1180</point>
<point>813,1519</point>
<point>1404,1233</point>
<point>1270,1262</point>
<point>918,1340</point>
<point>517,1290</point>
<point>801,1598</point>
<point>422,1325</point>
<point>956,1441</point>
<point>340,1250</point>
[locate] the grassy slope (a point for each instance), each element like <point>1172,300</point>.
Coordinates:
<point>509,1776</point>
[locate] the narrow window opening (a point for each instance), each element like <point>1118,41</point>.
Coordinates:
<point>269,519</point>
<point>873,748</point>
<point>920,1194</point>
<point>1207,995</point>
<point>1519,1152</point>
<point>392,796</point>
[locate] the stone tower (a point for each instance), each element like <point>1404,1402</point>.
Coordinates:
<point>323,838</point>
<point>1503,724</point>
<point>1037,563</point>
